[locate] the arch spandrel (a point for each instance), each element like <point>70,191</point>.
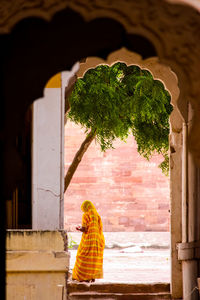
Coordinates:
<point>159,71</point>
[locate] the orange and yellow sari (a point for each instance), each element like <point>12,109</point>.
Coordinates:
<point>89,259</point>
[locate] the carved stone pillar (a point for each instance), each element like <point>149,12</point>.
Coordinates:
<point>189,249</point>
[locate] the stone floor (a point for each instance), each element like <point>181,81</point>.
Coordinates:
<point>133,257</point>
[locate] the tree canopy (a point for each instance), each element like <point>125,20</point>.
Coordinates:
<point>113,102</point>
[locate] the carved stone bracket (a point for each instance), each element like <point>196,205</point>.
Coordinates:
<point>188,251</point>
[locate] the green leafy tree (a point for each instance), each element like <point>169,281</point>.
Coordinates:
<point>113,102</point>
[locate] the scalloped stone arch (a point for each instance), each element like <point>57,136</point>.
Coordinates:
<point>175,38</point>
<point>159,71</point>
<point>168,77</point>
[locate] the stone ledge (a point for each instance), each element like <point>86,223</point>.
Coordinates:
<point>35,240</point>
<point>37,261</point>
<point>36,264</point>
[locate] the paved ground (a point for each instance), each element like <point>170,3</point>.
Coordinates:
<point>134,257</point>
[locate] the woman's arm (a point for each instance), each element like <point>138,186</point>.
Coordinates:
<point>82,228</point>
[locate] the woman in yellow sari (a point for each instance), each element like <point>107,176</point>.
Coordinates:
<point>89,259</point>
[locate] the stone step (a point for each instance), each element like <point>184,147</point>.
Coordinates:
<point>116,296</point>
<point>123,288</point>
<point>114,291</point>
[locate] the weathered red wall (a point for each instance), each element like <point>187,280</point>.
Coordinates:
<point>130,193</point>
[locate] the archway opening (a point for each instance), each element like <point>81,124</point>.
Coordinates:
<point>123,221</point>
<point>86,185</point>
<point>36,89</point>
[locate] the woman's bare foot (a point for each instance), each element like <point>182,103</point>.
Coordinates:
<point>89,280</point>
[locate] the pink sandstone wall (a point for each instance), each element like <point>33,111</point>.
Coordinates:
<point>130,193</point>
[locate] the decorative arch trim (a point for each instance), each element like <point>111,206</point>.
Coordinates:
<point>159,71</point>
<point>172,27</point>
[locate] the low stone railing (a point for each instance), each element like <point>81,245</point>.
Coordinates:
<point>37,264</point>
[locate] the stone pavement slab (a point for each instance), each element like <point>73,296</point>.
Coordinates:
<point>133,257</point>
<point>148,266</point>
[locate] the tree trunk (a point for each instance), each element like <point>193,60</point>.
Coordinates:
<point>78,157</point>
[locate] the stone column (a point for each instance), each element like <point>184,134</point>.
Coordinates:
<point>48,154</point>
<point>189,249</point>
<point>175,200</point>
<point>48,158</point>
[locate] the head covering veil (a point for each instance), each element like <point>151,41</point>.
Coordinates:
<point>88,207</point>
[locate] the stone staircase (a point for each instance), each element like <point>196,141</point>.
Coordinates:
<point>115,291</point>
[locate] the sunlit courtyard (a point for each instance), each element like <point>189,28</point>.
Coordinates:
<point>140,257</point>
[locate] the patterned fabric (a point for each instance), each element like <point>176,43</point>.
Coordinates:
<point>89,259</point>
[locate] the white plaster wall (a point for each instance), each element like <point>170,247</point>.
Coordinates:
<point>47,176</point>
<point>48,157</point>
